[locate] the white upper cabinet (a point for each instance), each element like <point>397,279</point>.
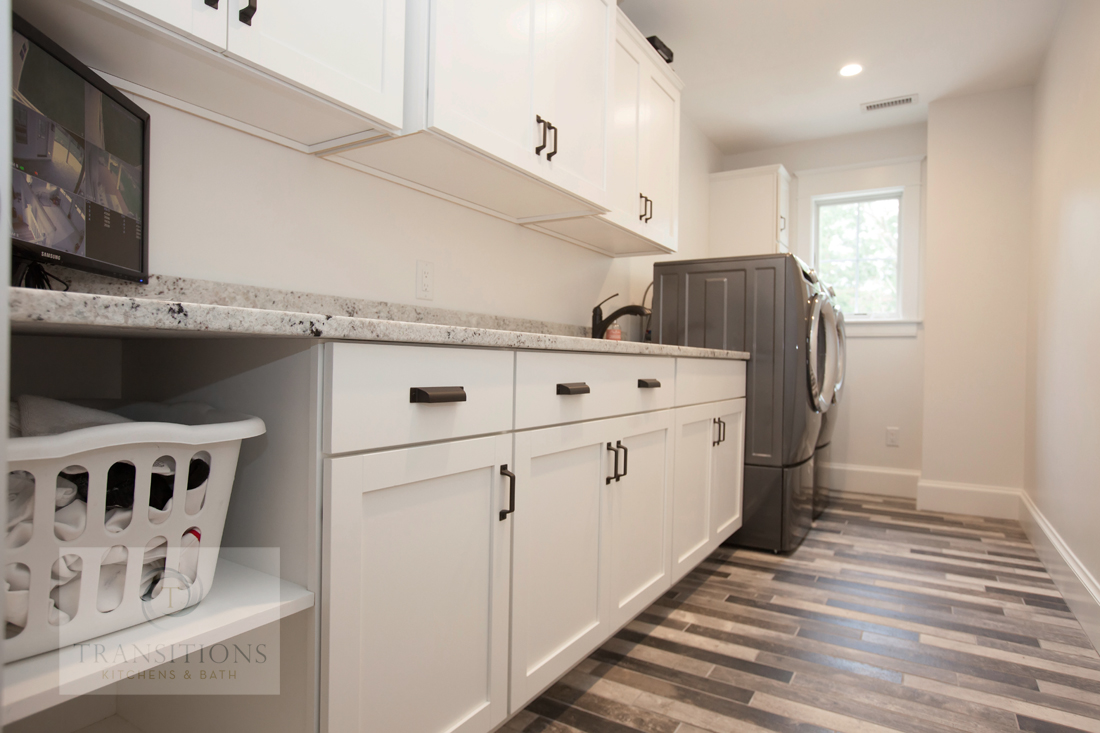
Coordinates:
<point>750,211</point>
<point>312,74</point>
<point>643,156</point>
<point>200,20</point>
<point>348,51</point>
<point>506,106</point>
<point>481,76</point>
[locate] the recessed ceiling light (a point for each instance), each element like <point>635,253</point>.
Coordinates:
<point>851,70</point>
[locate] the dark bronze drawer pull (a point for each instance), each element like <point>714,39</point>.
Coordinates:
<point>573,388</point>
<point>437,394</point>
<point>649,383</point>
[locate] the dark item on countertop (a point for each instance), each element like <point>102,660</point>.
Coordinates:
<point>600,324</point>
<point>665,51</point>
<point>121,478</point>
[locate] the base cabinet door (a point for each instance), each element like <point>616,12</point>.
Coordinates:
<point>696,434</point>
<point>637,557</point>
<point>416,586</point>
<point>727,470</point>
<point>558,615</point>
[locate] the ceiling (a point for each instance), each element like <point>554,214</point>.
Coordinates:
<point>761,73</point>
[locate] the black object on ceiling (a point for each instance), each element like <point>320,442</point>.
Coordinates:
<point>665,51</point>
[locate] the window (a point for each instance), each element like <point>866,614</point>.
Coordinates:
<point>857,253</point>
<point>859,226</point>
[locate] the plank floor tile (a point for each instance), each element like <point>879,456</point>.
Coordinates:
<point>885,619</point>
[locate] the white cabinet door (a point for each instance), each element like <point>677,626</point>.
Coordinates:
<point>696,433</point>
<point>727,471</point>
<point>784,224</point>
<point>558,616</point>
<point>351,52</point>
<point>481,76</point>
<point>415,579</point>
<point>659,153</point>
<point>195,19</point>
<point>623,188</point>
<point>573,50</point>
<point>637,557</point>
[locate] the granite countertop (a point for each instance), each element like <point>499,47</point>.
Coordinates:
<point>166,307</point>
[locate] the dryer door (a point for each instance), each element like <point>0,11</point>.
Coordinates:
<point>841,357</point>
<point>821,347</point>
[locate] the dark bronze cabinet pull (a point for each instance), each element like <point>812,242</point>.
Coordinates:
<point>626,455</point>
<point>615,477</point>
<point>511,492</point>
<point>543,124</point>
<point>212,4</point>
<point>552,153</point>
<point>641,216</point>
<point>573,388</point>
<point>649,383</point>
<point>247,12</point>
<point>649,211</point>
<point>437,394</point>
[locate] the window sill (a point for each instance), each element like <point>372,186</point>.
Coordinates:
<point>881,329</point>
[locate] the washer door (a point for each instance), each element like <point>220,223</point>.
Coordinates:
<point>821,347</point>
<point>841,356</point>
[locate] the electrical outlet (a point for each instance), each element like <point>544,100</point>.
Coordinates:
<point>893,439</point>
<point>425,280</point>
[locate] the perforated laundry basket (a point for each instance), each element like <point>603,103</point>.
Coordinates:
<point>180,432</point>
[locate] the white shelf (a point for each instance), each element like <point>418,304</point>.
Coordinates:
<point>240,600</point>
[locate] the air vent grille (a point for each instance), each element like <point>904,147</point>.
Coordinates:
<point>888,103</point>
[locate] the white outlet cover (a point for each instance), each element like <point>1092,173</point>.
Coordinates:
<point>425,280</point>
<point>893,437</point>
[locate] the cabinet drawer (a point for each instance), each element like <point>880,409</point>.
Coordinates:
<point>368,402</point>
<point>544,382</point>
<point>708,380</point>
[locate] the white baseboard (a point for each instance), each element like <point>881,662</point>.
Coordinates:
<point>869,479</point>
<point>1078,586</point>
<point>976,499</point>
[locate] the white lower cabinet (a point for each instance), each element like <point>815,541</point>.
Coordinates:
<point>709,464</point>
<point>590,539</point>
<point>415,630</point>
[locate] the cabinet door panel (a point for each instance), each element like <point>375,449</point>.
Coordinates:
<point>557,615</point>
<point>572,73</point>
<point>636,511</point>
<point>192,18</point>
<point>727,472</point>
<point>623,158</point>
<point>416,589</point>
<point>482,76</point>
<point>695,433</point>
<point>660,144</point>
<point>783,226</point>
<point>351,52</point>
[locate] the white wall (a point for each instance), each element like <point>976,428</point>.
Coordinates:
<point>884,383</point>
<point>975,283</point>
<point>1063,396</point>
<point>229,207</point>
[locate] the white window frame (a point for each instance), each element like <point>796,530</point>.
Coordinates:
<point>854,183</point>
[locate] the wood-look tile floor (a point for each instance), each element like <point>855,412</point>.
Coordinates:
<point>885,619</point>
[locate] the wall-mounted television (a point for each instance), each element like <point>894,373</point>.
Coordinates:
<point>80,164</point>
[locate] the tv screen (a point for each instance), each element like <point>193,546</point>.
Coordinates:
<point>80,163</point>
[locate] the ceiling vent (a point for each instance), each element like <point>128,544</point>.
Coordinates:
<point>889,103</point>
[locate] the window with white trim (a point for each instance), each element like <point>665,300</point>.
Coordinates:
<point>857,253</point>
<point>860,227</point>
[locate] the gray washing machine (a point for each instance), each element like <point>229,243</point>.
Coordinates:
<point>772,307</point>
<point>829,418</point>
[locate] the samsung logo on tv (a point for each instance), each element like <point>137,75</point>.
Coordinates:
<point>50,256</point>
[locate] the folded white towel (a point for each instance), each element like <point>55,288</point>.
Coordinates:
<point>43,416</point>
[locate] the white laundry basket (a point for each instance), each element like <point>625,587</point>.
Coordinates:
<point>181,432</point>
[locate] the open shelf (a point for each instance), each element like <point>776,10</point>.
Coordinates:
<point>240,600</point>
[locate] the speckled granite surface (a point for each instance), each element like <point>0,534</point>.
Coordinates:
<point>43,311</point>
<point>191,290</point>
